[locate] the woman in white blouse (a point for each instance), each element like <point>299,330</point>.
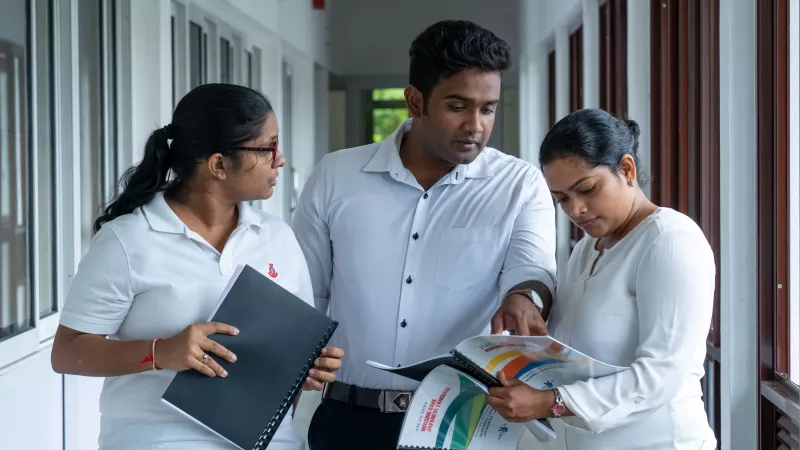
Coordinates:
<point>162,254</point>
<point>637,292</point>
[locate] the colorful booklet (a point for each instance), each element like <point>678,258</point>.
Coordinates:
<point>448,410</point>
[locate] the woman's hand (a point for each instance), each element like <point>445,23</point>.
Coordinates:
<point>518,402</point>
<point>188,350</point>
<point>330,361</point>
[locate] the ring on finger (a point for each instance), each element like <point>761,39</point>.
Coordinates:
<point>204,358</point>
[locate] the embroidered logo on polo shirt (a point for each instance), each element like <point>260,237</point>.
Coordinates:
<point>272,272</point>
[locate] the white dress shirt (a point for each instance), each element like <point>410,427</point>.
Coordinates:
<point>147,276</point>
<point>409,273</point>
<point>646,306</point>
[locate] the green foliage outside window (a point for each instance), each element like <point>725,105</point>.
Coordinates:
<point>386,120</point>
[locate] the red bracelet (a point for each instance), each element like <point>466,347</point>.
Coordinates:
<point>151,358</point>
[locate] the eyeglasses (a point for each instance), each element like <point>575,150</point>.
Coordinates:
<point>272,149</point>
<point>257,149</point>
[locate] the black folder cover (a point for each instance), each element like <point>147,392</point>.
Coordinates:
<point>279,338</point>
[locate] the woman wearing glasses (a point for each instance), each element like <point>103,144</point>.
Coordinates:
<point>163,252</point>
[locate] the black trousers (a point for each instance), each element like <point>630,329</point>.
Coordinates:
<point>340,426</point>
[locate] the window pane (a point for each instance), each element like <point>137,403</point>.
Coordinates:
<point>256,71</point>
<point>794,194</point>
<point>174,60</point>
<point>224,61</point>
<point>388,94</point>
<point>386,120</point>
<point>249,74</point>
<point>195,55</point>
<point>15,306</point>
<point>45,175</point>
<point>91,120</point>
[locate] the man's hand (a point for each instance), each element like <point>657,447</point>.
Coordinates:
<point>519,314</point>
<point>324,367</point>
<point>518,402</point>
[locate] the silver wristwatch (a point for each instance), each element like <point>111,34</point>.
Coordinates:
<point>533,296</point>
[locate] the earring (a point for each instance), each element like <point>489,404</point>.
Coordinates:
<point>223,176</point>
<point>630,183</point>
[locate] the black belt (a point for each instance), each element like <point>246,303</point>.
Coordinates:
<point>387,401</point>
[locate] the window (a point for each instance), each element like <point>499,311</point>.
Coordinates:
<point>794,193</point>
<point>248,58</point>
<point>197,55</point>
<point>43,189</point>
<point>777,106</point>
<point>551,88</point>
<point>255,69</point>
<point>97,88</point>
<point>291,178</point>
<point>614,58</point>
<point>575,102</point>
<point>387,110</point>
<point>225,61</point>
<point>16,314</point>
<point>27,209</point>
<point>685,138</point>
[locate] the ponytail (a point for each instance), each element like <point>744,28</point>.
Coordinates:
<point>143,181</point>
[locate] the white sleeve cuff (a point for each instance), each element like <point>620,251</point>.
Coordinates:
<point>88,325</point>
<point>521,274</point>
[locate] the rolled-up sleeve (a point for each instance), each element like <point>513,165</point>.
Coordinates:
<point>311,230</point>
<point>674,283</point>
<point>101,292</point>
<point>531,254</point>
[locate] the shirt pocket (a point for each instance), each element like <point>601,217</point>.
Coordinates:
<point>466,257</point>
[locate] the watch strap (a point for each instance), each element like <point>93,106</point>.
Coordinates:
<point>532,296</point>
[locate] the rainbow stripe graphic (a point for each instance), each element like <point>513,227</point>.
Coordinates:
<point>522,362</point>
<point>463,414</point>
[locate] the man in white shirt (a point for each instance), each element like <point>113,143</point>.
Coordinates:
<point>425,239</point>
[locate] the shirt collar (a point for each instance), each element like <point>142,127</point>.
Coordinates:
<point>387,159</point>
<point>162,218</point>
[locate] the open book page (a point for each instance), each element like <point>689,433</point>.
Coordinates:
<point>449,411</point>
<point>539,361</point>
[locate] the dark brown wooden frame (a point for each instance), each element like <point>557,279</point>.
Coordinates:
<point>575,100</point>
<point>551,88</point>
<point>773,204</point>
<point>614,58</point>
<point>685,131</point>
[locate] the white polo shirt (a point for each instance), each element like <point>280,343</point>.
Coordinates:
<point>409,273</point>
<point>148,276</point>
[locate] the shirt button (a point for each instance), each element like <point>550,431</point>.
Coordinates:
<point>415,236</point>
<point>425,196</point>
<point>403,323</point>
<point>408,280</point>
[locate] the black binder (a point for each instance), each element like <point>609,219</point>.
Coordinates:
<point>279,338</point>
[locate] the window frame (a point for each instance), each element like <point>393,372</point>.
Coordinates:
<point>64,131</point>
<point>21,345</point>
<point>575,102</point>
<point>779,396</point>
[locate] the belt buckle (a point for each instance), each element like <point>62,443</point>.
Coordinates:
<point>394,401</point>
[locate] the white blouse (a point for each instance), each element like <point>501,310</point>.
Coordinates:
<point>647,306</point>
<point>148,276</point>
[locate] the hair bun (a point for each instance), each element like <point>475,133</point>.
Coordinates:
<point>634,127</point>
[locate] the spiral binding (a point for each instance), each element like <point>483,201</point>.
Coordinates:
<point>277,418</point>
<point>476,371</point>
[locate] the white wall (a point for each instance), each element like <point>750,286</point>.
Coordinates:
<point>389,26</point>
